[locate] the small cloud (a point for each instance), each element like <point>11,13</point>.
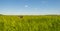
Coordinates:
<point>26,6</point>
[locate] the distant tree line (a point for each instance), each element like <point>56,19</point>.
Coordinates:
<point>1,14</point>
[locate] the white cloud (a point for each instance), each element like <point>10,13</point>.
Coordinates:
<point>26,6</point>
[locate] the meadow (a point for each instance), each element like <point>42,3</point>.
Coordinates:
<point>30,23</point>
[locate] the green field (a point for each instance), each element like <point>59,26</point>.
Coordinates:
<point>30,23</point>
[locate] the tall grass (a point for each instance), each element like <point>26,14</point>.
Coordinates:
<point>30,23</point>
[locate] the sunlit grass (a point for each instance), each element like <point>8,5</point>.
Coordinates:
<point>30,23</point>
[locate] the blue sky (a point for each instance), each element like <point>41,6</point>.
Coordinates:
<point>29,6</point>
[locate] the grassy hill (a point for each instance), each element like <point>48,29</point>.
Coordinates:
<point>30,23</point>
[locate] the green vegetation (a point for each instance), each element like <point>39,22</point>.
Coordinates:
<point>30,23</point>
